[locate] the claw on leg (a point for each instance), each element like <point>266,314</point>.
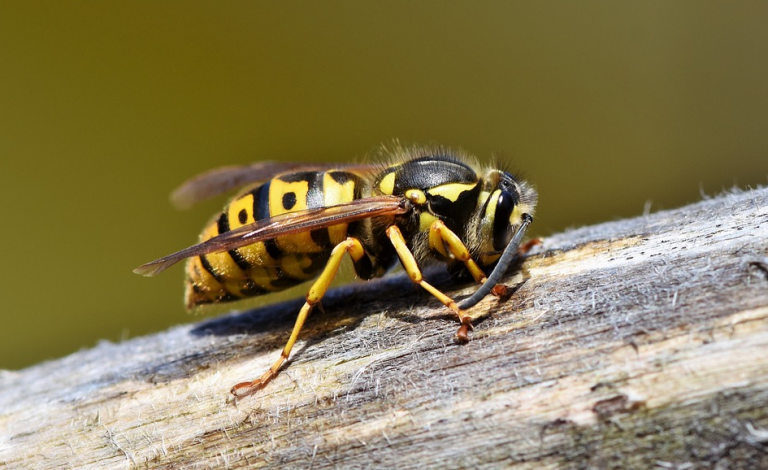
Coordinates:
<point>462,336</point>
<point>243,389</point>
<point>528,246</point>
<point>500,290</point>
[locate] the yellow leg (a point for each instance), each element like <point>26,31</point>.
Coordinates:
<point>314,295</point>
<point>441,237</point>
<point>412,268</point>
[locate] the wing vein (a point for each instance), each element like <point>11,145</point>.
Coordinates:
<point>281,225</point>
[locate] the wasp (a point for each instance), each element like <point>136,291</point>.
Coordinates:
<point>295,222</point>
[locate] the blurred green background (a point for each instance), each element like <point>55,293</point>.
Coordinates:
<point>106,106</point>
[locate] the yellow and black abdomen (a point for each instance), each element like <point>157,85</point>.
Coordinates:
<point>279,263</point>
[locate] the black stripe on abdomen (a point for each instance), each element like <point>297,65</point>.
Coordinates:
<point>207,266</point>
<point>261,202</point>
<point>321,237</point>
<point>240,261</point>
<point>223,223</point>
<point>261,211</point>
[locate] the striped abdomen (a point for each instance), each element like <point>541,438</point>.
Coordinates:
<point>276,264</point>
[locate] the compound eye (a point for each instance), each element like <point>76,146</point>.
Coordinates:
<point>502,229</point>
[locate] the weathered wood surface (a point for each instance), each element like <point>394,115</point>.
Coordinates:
<point>633,344</point>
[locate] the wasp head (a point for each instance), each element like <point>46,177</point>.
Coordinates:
<point>501,207</point>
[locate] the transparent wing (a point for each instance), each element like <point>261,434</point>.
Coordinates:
<point>285,224</point>
<point>221,180</point>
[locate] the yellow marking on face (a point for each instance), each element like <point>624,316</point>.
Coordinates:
<point>451,191</point>
<point>517,213</point>
<point>387,184</point>
<point>516,217</point>
<point>490,209</point>
<point>334,194</point>
<point>484,195</point>
<point>486,225</point>
<point>425,221</point>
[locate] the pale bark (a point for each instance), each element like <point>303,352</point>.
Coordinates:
<point>633,344</point>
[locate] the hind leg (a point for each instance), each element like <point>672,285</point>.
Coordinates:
<point>314,295</point>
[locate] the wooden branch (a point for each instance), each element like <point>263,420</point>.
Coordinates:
<point>632,344</point>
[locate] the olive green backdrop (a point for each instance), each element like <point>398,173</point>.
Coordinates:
<point>106,106</point>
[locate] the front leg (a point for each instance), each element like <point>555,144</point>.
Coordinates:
<point>444,241</point>
<point>412,268</point>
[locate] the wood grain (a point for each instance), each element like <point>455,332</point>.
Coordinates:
<point>639,343</point>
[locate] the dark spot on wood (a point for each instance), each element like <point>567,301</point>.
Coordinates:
<point>611,406</point>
